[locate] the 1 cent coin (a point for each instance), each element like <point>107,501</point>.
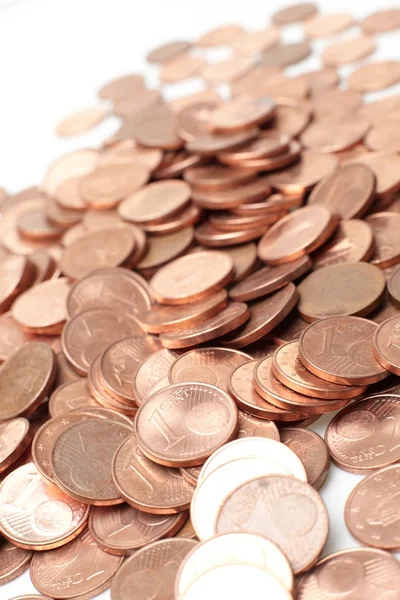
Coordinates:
<point>251,426</point>
<point>303,176</point>
<point>70,396</point>
<point>15,437</point>
<point>151,372</point>
<point>312,451</point>
<point>294,13</point>
<point>13,561</point>
<point>387,244</point>
<point>386,344</point>
<point>43,308</point>
<point>394,286</point>
<point>353,241</point>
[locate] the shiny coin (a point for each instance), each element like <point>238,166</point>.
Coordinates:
<point>15,437</point>
<point>312,451</point>
<point>42,308</point>
<point>386,347</point>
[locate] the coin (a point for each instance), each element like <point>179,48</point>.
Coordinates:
<point>144,205</point>
<point>385,344</point>
<point>167,51</point>
<point>220,36</point>
<point>171,426</point>
<point>228,70</point>
<point>385,167</point>
<point>182,67</point>
<point>339,349</point>
<point>151,370</point>
<point>253,190</point>
<point>81,561</point>
<point>294,13</point>
<point>121,86</point>
<point>253,42</point>
<point>312,451</point>
<point>146,485</point>
<point>251,426</point>
<point>48,520</point>
<point>242,113</point>
<point>352,242</point>
<point>70,396</point>
<point>43,307</point>
<point>13,561</point>
<point>187,531</point>
<point>210,144</point>
<point>216,177</point>
<point>360,437</point>
<point>209,236</point>
<point>375,76</point>
<point>285,55</point>
<point>371,509</point>
<point>101,394</point>
<point>81,463</point>
<point>394,287</point>
<point>387,245</point>
<point>15,437</point>
<point>123,529</point>
<point>189,278</point>
<point>327,25</point>
<point>75,164</point>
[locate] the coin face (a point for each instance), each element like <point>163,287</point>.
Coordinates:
<point>13,561</point>
<point>352,242</point>
<point>70,396</point>
<point>386,349</point>
<point>251,426</point>
<point>153,369</point>
<point>312,451</point>
<point>43,306</point>
<point>15,436</point>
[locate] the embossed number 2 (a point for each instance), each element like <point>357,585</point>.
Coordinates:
<point>170,436</point>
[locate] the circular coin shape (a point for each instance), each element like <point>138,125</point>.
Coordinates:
<point>334,135</point>
<point>348,51</point>
<point>16,275</point>
<point>321,26</point>
<point>70,396</point>
<point>394,286</point>
<point>50,519</point>
<point>81,121</point>
<point>250,426</point>
<point>387,243</point>
<point>183,424</point>
<point>352,242</point>
<point>15,437</point>
<point>312,451</point>
<point>297,234</point>
<point>13,561</point>
<point>43,307</point>
<point>304,175</point>
<point>385,167</point>
<point>386,346</point>
<point>243,112</point>
<point>81,460</point>
<point>151,372</point>
<point>285,510</point>
<point>155,201</point>
<point>294,13</point>
<point>375,76</point>
<point>371,509</point>
<point>285,55</point>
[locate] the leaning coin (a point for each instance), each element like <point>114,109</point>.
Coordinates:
<point>15,437</point>
<point>13,561</point>
<point>312,451</point>
<point>386,344</point>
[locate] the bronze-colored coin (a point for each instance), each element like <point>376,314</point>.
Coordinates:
<point>189,278</point>
<point>320,79</point>
<point>394,286</point>
<point>208,235</point>
<point>25,380</point>
<point>70,396</point>
<point>109,247</point>
<point>274,204</point>
<point>386,346</point>
<point>43,308</point>
<point>107,185</point>
<point>289,87</point>
<point>285,55</point>
<point>269,144</point>
<point>191,474</point>
<point>129,152</point>
<point>171,426</point>
<point>175,163</point>
<point>385,227</point>
<point>50,571</point>
<point>120,361</point>
<point>306,174</point>
<point>269,279</point>
<point>155,201</point>
<point>254,80</point>
<point>360,437</point>
<point>65,373</point>
<point>244,259</point>
<point>167,51</point>
<point>207,95</point>
<point>181,68</point>
<point>81,461</point>
<point>294,13</point>
<point>211,144</point>
<point>381,109</point>
<point>90,332</point>
<point>289,330</point>
<point>288,368</point>
<point>244,112</point>
<point>297,234</point>
<point>339,349</point>
<point>13,561</point>
<point>176,222</point>
<point>31,597</point>
<point>153,127</point>
<point>253,42</point>
<point>44,264</point>
<point>81,121</point>
<point>370,520</point>
<point>50,519</point>
<point>146,485</point>
<point>265,314</point>
<point>75,164</point>
<point>385,167</point>
<point>101,394</point>
<point>228,70</point>
<point>352,242</point>
<point>321,26</point>
<point>291,116</point>
<point>251,426</point>
<point>99,412</point>
<point>381,21</point>
<point>375,76</point>
<point>151,371</point>
<point>17,274</point>
<point>216,177</point>
<point>207,365</point>
<point>274,163</point>
<point>249,400</point>
<point>252,191</point>
<point>334,135</point>
<point>118,289</point>
<point>335,103</point>
<point>122,86</point>
<point>312,451</point>
<point>193,119</point>
<point>275,392</point>
<point>281,499</point>
<point>383,579</point>
<point>165,556</point>
<point>385,311</point>
<point>129,106</point>
<point>221,36</point>
<point>384,137</point>
<point>15,437</point>
<point>343,289</point>
<point>123,529</point>
<point>164,248</point>
<point>348,51</point>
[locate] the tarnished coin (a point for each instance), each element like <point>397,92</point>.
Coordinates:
<point>146,485</point>
<point>81,460</point>
<point>70,396</point>
<point>353,241</point>
<point>340,349</point>
<point>43,308</point>
<point>371,509</point>
<point>13,561</point>
<point>291,510</point>
<point>386,344</point>
<point>387,244</point>
<point>312,451</point>
<point>15,437</point>
<point>123,529</point>
<point>51,570</point>
<point>47,518</point>
<point>360,437</point>
<point>183,424</point>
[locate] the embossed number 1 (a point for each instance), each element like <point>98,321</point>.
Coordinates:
<point>171,437</point>
<point>329,333</point>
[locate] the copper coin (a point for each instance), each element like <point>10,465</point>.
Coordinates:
<point>339,349</point>
<point>281,498</point>
<point>244,259</point>
<point>31,597</point>
<point>187,531</point>
<point>289,330</point>
<point>385,310</point>
<point>288,368</point>
<point>381,21</point>
<point>129,106</point>
<point>220,36</point>
<point>216,177</point>
<point>13,337</point>
<point>107,185</point>
<point>25,380</point>
<point>284,55</point>
<point>375,76</point>
<point>228,320</point>
<point>335,103</point>
<point>273,163</point>
<point>50,519</point>
<point>386,347</point>
<point>210,144</point>
<point>385,167</point>
<point>153,127</point>
<point>193,119</point>
<point>172,424</point>
<point>275,204</point>
<point>242,113</point>
<point>90,332</point>
<point>291,116</point>
<point>155,201</point>
<point>65,373</point>
<point>43,307</point>
<point>130,152</point>
<point>153,372</point>
<point>122,86</point>
<point>332,135</point>
<point>164,248</point>
<point>81,561</point>
<point>191,474</point>
<point>81,461</point>
<point>228,70</point>
<point>102,395</point>
<point>15,437</point>
<point>189,215</point>
<point>181,68</point>
<point>360,437</point>
<point>167,51</point>
<point>275,392</point>
<point>147,485</point>
<point>265,314</point>
<point>252,191</point>
<point>253,42</point>
<point>294,13</point>
<point>269,279</point>
<point>253,81</point>
<point>289,87</point>
<point>207,365</point>
<point>321,26</point>
<point>380,110</point>
<point>44,264</point>
<point>371,509</point>
<point>387,244</point>
<point>349,50</point>
<point>383,137</point>
<point>231,222</point>
<point>99,412</point>
<point>394,287</point>
<point>189,278</point>
<point>312,451</point>
<point>304,175</point>
<point>269,144</point>
<point>297,234</point>
<point>352,242</point>
<point>13,561</point>
<point>249,400</point>
<point>251,426</point>
<point>123,529</point>
<point>75,164</point>
<point>209,236</point>
<point>175,164</point>
<point>342,289</point>
<point>70,396</point>
<point>17,274</point>
<point>81,121</point>
<point>320,79</point>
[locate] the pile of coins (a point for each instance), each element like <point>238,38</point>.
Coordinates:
<point>179,305</point>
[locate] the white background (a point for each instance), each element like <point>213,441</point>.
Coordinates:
<point>55,54</point>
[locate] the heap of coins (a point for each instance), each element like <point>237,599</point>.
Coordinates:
<point>179,305</point>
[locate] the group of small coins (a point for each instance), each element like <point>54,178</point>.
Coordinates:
<point>159,359</point>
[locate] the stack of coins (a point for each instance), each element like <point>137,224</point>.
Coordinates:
<point>179,305</point>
